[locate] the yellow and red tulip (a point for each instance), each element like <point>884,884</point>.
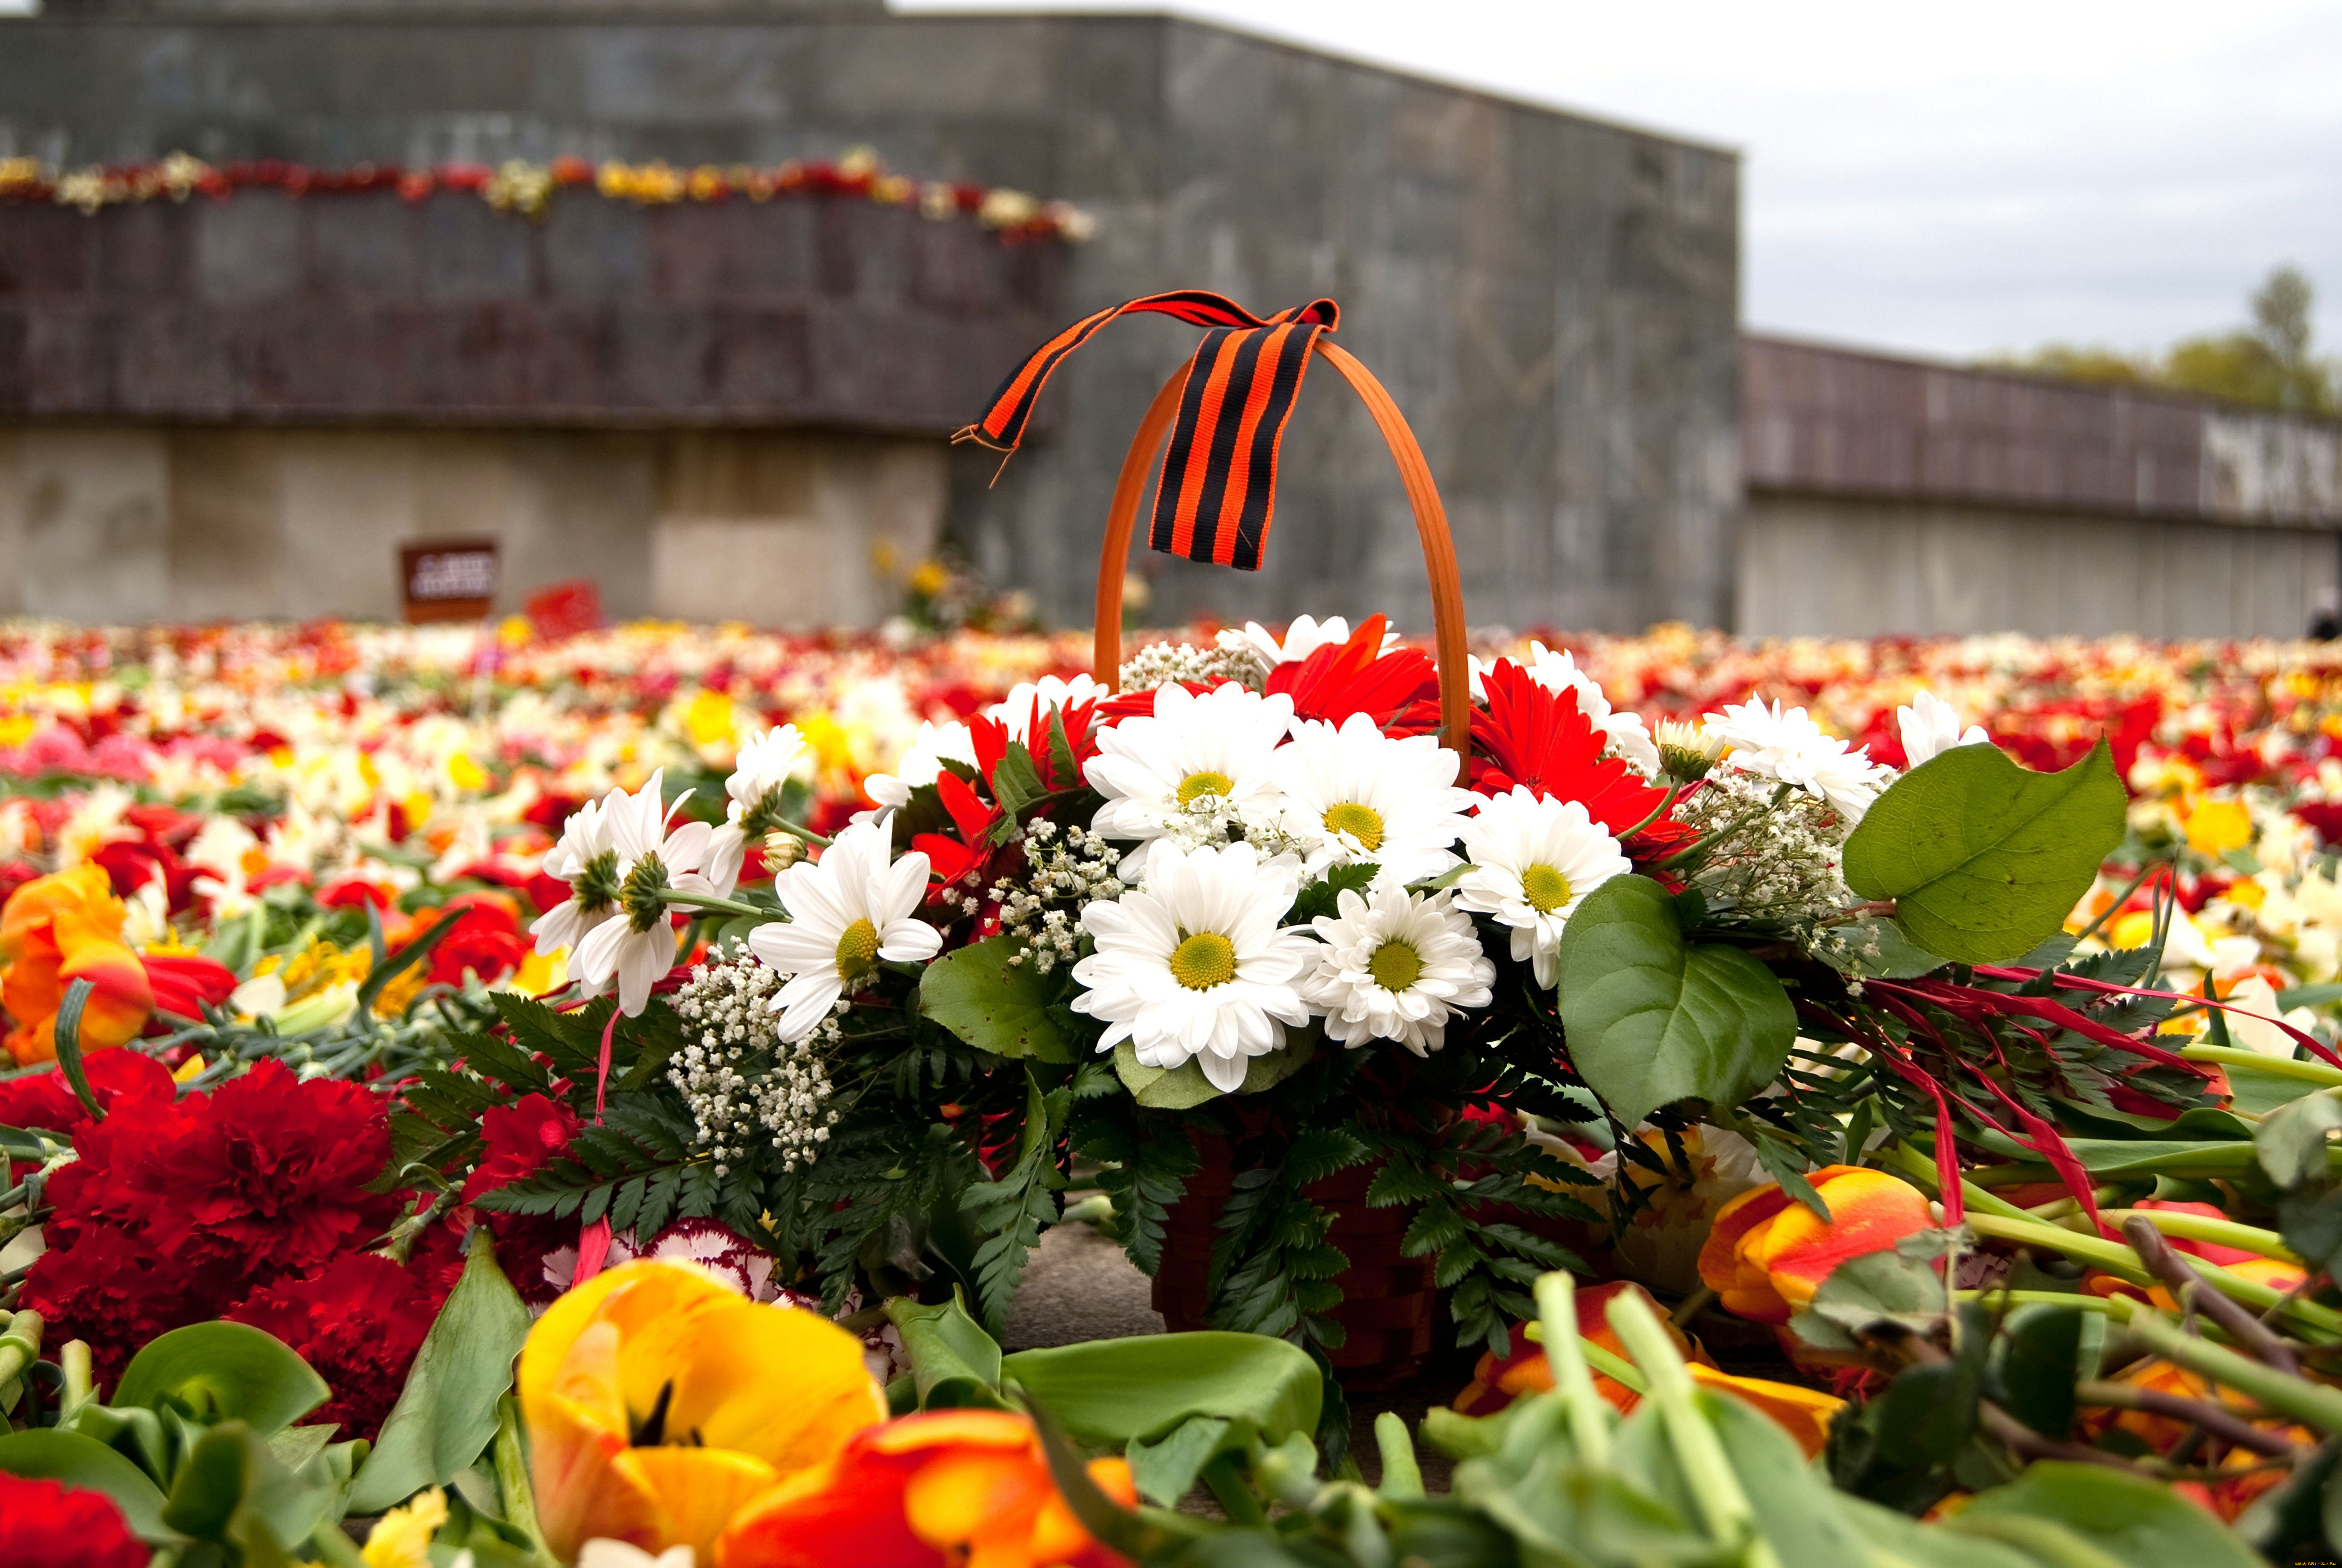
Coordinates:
<point>54,931</point>
<point>660,1401</point>
<point>1768,1253</point>
<point>1804,1413</point>
<point>942,1490</point>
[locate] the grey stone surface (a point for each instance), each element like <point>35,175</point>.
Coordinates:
<point>1550,299</point>
<point>1078,1287</point>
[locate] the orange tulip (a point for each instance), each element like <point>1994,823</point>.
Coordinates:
<point>54,931</point>
<point>660,1401</point>
<point>1804,1413</point>
<point>949,1489</point>
<point>1768,1253</point>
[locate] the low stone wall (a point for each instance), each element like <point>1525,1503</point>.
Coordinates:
<point>110,523</point>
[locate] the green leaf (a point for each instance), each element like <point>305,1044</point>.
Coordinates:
<point>232,1492</point>
<point>995,1006</point>
<point>65,1033</point>
<point>1651,1021</point>
<point>2039,1361</point>
<point>79,1461</point>
<point>1899,1286</point>
<point>2290,1142</point>
<point>1185,1086</point>
<point>448,1412</point>
<point>405,958</point>
<point>1324,896</point>
<point>2134,1521</point>
<point>1016,784</point>
<point>1985,858</point>
<point>223,1372</point>
<point>1111,1391</point>
<point>1167,1471</point>
<point>954,1363</point>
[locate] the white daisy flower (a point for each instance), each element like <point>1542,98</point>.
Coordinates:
<point>848,911</point>
<point>1931,726</point>
<point>1556,671</point>
<point>767,763</point>
<point>1193,966</point>
<point>1304,637</point>
<point>936,743</point>
<point>1395,965</point>
<point>1533,860</point>
<point>1355,794</point>
<point>637,949</point>
<point>584,859</point>
<point>1216,747</point>
<point>1790,747</point>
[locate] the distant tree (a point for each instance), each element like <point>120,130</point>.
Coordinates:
<point>2268,364</point>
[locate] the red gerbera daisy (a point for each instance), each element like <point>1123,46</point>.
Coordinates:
<point>1357,677</point>
<point>1529,735</point>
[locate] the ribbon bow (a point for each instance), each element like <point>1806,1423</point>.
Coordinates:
<point>1217,489</point>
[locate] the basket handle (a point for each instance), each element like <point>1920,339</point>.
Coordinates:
<point>1430,526</point>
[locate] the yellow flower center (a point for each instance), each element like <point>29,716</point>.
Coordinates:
<point>1363,822</point>
<point>1197,785</point>
<point>1204,960</point>
<point>1545,888</point>
<point>1395,965</point>
<point>857,949</point>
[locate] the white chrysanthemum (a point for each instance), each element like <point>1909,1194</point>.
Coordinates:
<point>1533,860</point>
<point>584,859</point>
<point>1397,966</point>
<point>1216,747</point>
<point>1354,794</point>
<point>1304,637</point>
<point>1790,747</point>
<point>848,911</point>
<point>767,763</point>
<point>1556,671</point>
<point>1931,726</point>
<point>637,949</point>
<point>1195,966</point>
<point>936,744</point>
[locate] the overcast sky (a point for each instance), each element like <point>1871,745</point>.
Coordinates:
<point>1946,179</point>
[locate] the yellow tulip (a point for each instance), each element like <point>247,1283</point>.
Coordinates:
<point>659,1401</point>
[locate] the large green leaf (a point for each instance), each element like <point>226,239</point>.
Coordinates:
<point>2132,1520</point>
<point>954,1363</point>
<point>1984,858</point>
<point>995,1006</point>
<point>1115,1391</point>
<point>448,1412</point>
<point>223,1372</point>
<point>233,1491</point>
<point>1652,1020</point>
<point>85,1462</point>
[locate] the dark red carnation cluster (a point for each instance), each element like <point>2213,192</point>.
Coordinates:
<point>47,1524</point>
<point>521,1138</point>
<point>250,1202</point>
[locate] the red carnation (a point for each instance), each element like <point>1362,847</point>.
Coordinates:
<point>486,941</point>
<point>47,1524</point>
<point>358,1321</point>
<point>176,1210</point>
<point>44,1100</point>
<point>521,1139</point>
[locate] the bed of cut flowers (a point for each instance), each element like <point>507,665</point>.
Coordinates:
<point>475,1100</point>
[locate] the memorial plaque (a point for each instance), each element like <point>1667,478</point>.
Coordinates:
<point>449,579</point>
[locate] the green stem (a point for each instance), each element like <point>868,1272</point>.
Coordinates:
<point>79,1388</point>
<point>1589,1417</point>
<point>2198,1228</point>
<point>2229,1056</point>
<point>1716,1490</point>
<point>1402,1476</point>
<point>335,1549</point>
<point>710,901</point>
<point>1235,1498</point>
<point>795,830</point>
<point>2121,1261</point>
<point>512,1489</point>
<point>1912,1165</point>
<point>2311,1404</point>
<point>2034,1298</point>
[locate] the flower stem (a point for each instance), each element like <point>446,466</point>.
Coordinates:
<point>1589,1419</point>
<point>709,901</point>
<point>513,1487</point>
<point>2311,1404</point>
<point>1709,1474</point>
<point>796,831</point>
<point>2198,1228</point>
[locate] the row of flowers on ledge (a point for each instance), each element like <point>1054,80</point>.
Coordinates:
<point>517,185</point>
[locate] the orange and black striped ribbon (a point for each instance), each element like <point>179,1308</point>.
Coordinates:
<point>1217,490</point>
